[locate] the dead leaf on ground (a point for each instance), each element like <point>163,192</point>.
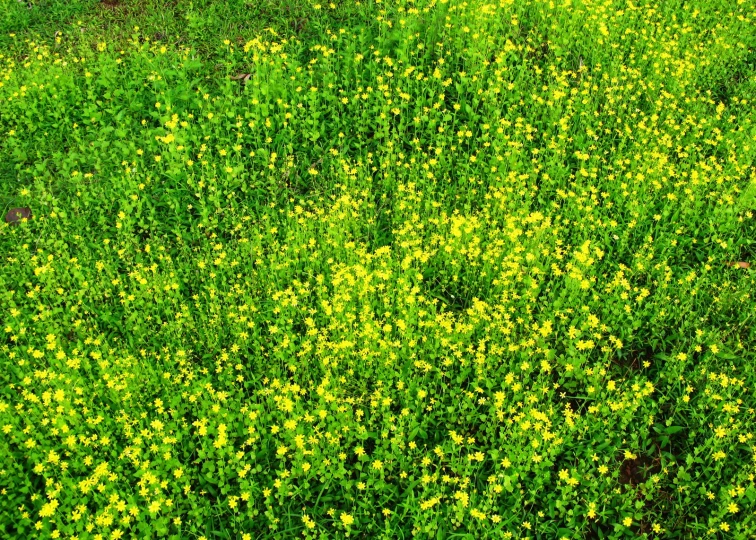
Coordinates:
<point>243,77</point>
<point>299,24</point>
<point>15,215</point>
<point>740,264</point>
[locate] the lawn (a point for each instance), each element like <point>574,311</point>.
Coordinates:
<point>388,269</point>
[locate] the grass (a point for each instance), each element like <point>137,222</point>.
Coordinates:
<point>430,269</point>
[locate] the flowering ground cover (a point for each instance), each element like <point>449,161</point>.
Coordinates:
<point>378,269</point>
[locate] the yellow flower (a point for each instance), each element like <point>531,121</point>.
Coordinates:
<point>592,511</point>
<point>346,519</point>
<point>48,509</point>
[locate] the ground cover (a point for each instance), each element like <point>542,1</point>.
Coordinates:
<point>377,269</point>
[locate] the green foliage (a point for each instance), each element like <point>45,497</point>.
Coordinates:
<point>378,269</point>
<point>46,16</point>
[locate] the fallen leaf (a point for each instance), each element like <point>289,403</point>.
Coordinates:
<point>244,77</point>
<point>740,264</point>
<point>299,24</point>
<point>15,215</point>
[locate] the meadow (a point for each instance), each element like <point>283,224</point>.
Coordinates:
<point>390,269</point>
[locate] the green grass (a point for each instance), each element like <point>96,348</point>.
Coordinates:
<point>380,270</point>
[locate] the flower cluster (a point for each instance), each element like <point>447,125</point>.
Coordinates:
<point>406,267</point>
